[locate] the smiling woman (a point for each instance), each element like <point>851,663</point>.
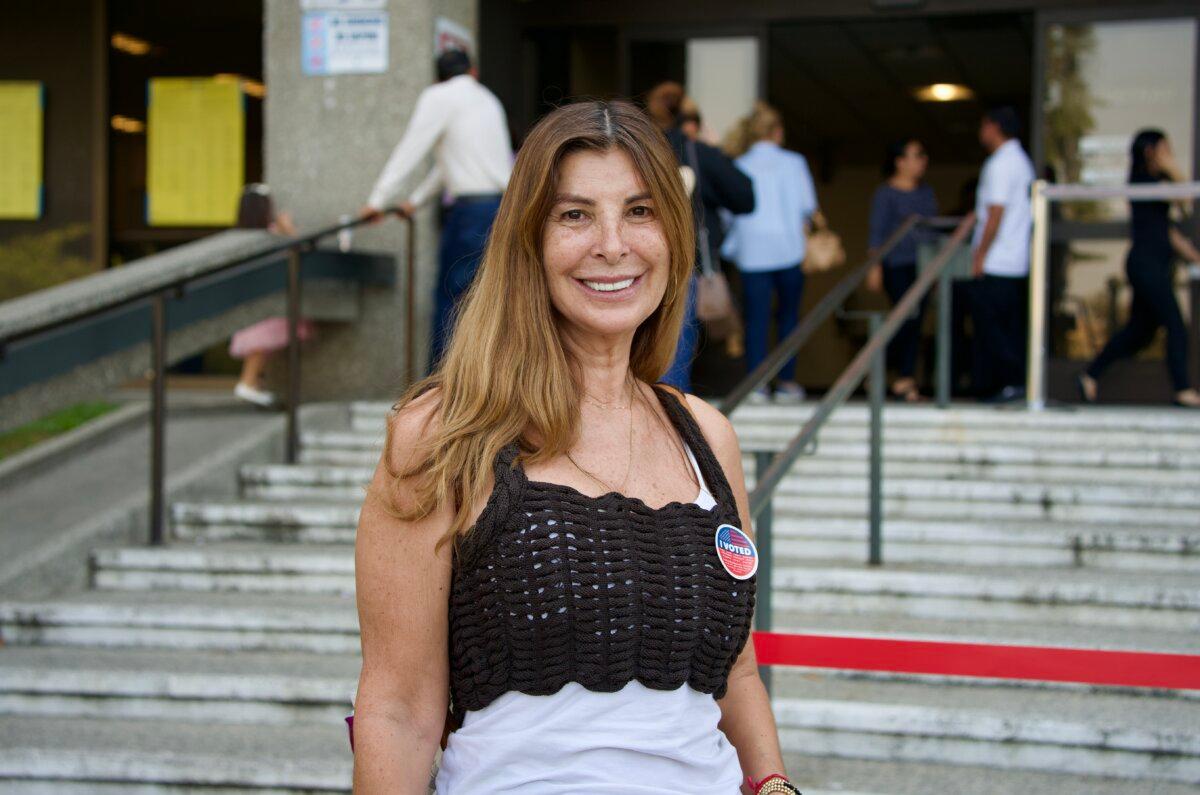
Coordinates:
<point>588,627</point>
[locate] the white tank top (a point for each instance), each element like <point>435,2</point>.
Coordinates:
<point>636,741</point>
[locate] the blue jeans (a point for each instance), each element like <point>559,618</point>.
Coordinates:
<point>786,285</point>
<point>680,373</point>
<point>463,237</point>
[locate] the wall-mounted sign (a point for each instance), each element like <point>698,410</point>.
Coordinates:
<point>21,103</point>
<point>195,151</point>
<point>449,35</point>
<point>342,5</point>
<point>344,42</point>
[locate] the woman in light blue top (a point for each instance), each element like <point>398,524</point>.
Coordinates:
<point>767,245</point>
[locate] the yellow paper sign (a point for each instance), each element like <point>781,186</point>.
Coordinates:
<point>20,149</point>
<point>195,145</point>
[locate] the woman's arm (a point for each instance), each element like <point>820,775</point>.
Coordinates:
<point>403,594</point>
<point>1183,245</point>
<point>746,716</point>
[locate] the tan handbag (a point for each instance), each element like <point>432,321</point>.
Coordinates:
<point>824,250</point>
<point>714,303</point>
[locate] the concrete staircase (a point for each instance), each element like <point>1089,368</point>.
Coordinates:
<point>225,661</point>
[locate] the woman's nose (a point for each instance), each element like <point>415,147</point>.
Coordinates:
<point>611,245</point>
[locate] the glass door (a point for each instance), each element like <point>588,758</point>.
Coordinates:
<point>1102,76</point>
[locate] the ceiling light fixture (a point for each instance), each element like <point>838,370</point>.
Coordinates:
<point>130,44</point>
<point>944,92</point>
<point>127,125</point>
<point>248,86</point>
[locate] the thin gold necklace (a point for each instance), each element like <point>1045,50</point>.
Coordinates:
<point>628,462</point>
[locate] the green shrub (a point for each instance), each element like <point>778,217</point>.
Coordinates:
<point>39,260</point>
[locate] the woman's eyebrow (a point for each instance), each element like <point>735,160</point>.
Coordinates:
<point>571,198</point>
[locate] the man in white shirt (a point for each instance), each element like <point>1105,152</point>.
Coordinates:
<point>465,126</point>
<point>1000,259</point>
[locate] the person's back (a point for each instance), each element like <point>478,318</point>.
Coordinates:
<point>772,236</point>
<point>471,107</point>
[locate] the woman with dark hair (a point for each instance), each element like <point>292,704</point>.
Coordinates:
<point>255,344</point>
<point>1150,269</point>
<point>560,613</point>
<point>719,185</point>
<point>903,193</point>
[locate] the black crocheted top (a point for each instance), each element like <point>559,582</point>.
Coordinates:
<point>553,586</point>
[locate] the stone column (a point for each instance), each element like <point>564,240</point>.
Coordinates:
<point>326,139</point>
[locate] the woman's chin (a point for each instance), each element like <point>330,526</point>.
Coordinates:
<point>607,325</point>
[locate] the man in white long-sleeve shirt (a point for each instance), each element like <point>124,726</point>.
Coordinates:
<point>465,125</point>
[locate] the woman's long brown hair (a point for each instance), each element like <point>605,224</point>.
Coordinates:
<point>506,375</point>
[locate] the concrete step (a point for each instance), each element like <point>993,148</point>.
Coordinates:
<point>948,541</point>
<point>956,543</point>
<point>369,416</point>
<point>1054,596</point>
<point>980,457</point>
<point>230,567</point>
<point>1092,734</point>
<point>281,481</point>
<point>773,434</point>
<point>848,776</point>
<point>185,620</point>
<point>280,688</point>
<point>179,756</point>
<point>1063,596</point>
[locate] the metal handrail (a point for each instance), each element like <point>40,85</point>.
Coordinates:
<point>770,470</point>
<point>286,244</point>
<point>158,293</point>
<point>812,320</point>
<point>852,376</point>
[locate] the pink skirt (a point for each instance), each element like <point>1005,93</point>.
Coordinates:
<point>268,336</point>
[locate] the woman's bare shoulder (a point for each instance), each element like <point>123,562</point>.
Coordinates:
<point>411,426</point>
<point>717,428</point>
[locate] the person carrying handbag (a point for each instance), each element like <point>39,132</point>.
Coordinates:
<point>769,244</point>
<point>719,184</point>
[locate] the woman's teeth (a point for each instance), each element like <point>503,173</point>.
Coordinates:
<point>608,287</point>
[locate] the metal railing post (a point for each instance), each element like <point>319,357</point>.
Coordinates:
<point>762,539</point>
<point>158,400</point>
<point>293,368</point>
<point>877,390</point>
<point>1039,254</point>
<point>1193,274</point>
<point>409,300</point>
<point>945,306</point>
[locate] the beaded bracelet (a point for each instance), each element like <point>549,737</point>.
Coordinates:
<point>774,783</point>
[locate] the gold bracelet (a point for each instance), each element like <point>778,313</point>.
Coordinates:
<point>777,785</point>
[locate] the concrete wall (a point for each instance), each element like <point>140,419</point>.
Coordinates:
<point>326,140</point>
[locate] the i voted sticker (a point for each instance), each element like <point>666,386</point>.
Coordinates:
<point>737,552</point>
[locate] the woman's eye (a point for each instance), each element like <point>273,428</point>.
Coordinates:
<point>646,212</point>
<point>572,215</point>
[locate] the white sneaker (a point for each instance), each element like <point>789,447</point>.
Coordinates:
<point>759,396</point>
<point>259,397</point>
<point>789,392</point>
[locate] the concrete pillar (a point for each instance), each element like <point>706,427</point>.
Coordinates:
<point>326,140</point>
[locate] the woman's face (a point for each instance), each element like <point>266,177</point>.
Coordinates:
<point>603,246</point>
<point>1159,156</point>
<point>912,163</point>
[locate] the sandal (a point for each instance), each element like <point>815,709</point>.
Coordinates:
<point>910,394</point>
<point>1087,387</point>
<point>1188,399</point>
